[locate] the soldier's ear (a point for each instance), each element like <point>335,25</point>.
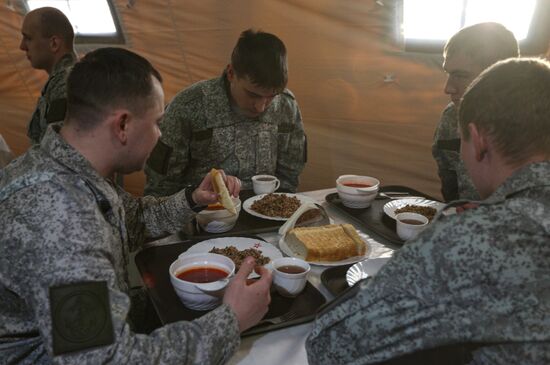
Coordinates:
<point>55,43</point>
<point>119,126</point>
<point>479,141</point>
<point>230,73</point>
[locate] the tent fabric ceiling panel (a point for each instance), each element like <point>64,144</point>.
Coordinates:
<point>368,107</point>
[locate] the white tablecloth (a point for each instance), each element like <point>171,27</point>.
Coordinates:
<point>287,345</point>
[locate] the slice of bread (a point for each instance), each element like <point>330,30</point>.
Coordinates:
<point>223,194</point>
<point>333,242</point>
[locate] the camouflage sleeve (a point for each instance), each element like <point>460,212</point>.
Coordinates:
<point>76,246</point>
<point>166,166</point>
<point>150,217</point>
<point>404,308</point>
<point>291,151</point>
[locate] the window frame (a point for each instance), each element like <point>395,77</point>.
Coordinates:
<point>536,42</point>
<point>118,38</point>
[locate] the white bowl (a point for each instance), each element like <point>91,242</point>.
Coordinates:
<point>357,197</point>
<point>200,296</point>
<point>218,221</point>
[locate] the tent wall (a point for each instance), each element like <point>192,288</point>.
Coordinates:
<point>368,106</point>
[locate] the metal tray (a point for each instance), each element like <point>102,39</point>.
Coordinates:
<point>153,263</point>
<point>373,219</point>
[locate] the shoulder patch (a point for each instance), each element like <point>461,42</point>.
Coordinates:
<point>81,317</point>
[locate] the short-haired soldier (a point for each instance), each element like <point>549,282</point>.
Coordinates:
<point>48,38</point>
<point>245,122</point>
<point>67,232</point>
<point>474,287</point>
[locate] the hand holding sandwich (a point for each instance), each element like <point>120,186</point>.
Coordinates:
<point>208,190</point>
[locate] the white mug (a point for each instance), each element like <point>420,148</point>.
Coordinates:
<point>290,275</point>
<point>409,225</point>
<point>264,184</point>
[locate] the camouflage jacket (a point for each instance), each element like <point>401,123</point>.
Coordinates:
<point>479,277</point>
<point>455,181</point>
<point>64,227</point>
<point>52,103</point>
<point>200,130</point>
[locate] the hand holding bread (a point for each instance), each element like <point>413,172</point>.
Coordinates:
<point>206,192</point>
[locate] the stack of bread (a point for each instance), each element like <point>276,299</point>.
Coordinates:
<point>333,242</point>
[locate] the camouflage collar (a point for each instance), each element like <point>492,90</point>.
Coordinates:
<point>66,61</point>
<point>528,177</point>
<point>63,153</point>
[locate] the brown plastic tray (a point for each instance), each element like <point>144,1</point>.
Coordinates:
<point>373,219</point>
<point>153,263</point>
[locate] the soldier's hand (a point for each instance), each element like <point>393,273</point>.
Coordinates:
<point>249,302</point>
<point>204,194</point>
<point>462,208</point>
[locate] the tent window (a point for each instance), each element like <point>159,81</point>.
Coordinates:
<point>427,24</point>
<point>94,21</point>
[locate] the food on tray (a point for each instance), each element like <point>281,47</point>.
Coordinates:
<point>215,206</point>
<point>333,242</point>
<point>238,256</point>
<point>427,212</point>
<point>223,194</point>
<point>312,215</point>
<point>276,205</point>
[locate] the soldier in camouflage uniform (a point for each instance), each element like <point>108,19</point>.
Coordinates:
<point>466,54</point>
<point>474,287</point>
<point>48,42</point>
<point>244,122</point>
<point>67,232</point>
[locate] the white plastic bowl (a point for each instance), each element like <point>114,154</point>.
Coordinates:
<point>354,197</point>
<point>218,221</point>
<point>200,296</point>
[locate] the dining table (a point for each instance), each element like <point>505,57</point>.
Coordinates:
<point>286,345</point>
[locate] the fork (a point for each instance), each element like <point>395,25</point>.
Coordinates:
<point>280,319</point>
<point>396,195</point>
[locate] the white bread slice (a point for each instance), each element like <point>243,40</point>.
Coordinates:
<point>223,194</point>
<point>333,242</point>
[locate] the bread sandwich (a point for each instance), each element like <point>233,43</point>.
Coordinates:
<point>223,194</point>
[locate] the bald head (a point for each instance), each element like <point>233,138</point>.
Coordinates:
<point>47,36</point>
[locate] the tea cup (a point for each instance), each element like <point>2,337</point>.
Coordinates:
<point>409,225</point>
<point>265,184</point>
<point>290,275</point>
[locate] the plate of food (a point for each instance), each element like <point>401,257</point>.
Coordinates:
<point>365,269</point>
<point>329,245</point>
<point>237,249</point>
<point>426,207</point>
<point>275,206</point>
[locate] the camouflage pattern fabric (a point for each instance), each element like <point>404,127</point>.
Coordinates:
<point>477,277</point>
<point>455,181</point>
<point>200,130</point>
<point>52,103</point>
<point>62,223</point>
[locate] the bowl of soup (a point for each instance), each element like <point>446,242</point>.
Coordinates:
<point>357,191</point>
<point>200,279</point>
<point>216,219</point>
